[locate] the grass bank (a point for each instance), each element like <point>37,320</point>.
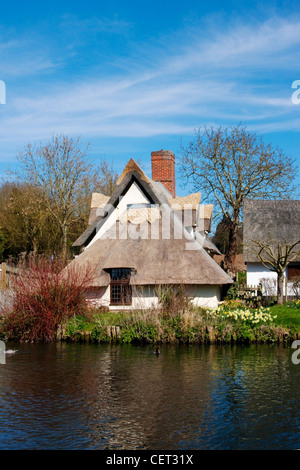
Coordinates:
<point>230,323</point>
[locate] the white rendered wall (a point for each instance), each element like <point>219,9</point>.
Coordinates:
<point>142,297</point>
<point>256,272</point>
<point>204,296</point>
<point>145,297</point>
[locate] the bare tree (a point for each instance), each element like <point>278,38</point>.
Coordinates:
<point>229,165</point>
<point>275,256</point>
<point>105,179</point>
<point>63,172</point>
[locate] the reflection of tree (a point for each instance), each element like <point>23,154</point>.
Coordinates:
<point>125,397</point>
<point>247,394</point>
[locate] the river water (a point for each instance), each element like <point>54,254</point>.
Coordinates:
<point>110,397</point>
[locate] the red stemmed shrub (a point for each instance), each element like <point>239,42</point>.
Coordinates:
<point>46,296</point>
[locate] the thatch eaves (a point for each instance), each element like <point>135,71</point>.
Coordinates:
<point>98,201</point>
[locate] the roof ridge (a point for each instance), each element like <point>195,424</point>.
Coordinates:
<point>132,166</point>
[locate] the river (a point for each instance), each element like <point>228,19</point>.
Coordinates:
<point>108,397</point>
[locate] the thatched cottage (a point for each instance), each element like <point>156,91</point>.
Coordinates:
<point>143,239</point>
<point>273,223</point>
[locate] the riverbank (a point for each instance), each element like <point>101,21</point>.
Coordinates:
<point>230,323</point>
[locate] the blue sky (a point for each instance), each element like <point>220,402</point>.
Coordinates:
<point>136,76</point>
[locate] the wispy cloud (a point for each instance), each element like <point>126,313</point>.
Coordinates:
<point>240,47</point>
<point>160,88</point>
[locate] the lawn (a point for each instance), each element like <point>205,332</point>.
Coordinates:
<point>288,315</point>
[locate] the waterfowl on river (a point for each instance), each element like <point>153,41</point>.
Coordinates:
<point>11,351</point>
<point>157,351</point>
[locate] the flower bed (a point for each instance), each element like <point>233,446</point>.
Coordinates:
<point>250,316</point>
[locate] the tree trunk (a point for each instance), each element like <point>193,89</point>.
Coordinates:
<point>280,285</point>
<point>230,256</point>
<point>34,246</point>
<point>64,244</point>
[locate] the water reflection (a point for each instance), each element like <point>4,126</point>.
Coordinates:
<point>67,396</point>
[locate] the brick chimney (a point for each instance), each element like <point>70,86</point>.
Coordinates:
<point>163,169</point>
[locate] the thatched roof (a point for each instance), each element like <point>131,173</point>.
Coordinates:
<point>211,247</point>
<point>129,168</point>
<point>192,200</point>
<point>162,261</point>
<point>176,259</point>
<point>98,201</point>
<point>239,263</point>
<point>270,220</point>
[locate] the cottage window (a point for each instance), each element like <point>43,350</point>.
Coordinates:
<point>120,289</point>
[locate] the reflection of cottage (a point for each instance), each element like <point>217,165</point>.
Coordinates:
<point>144,237</point>
<point>271,220</point>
